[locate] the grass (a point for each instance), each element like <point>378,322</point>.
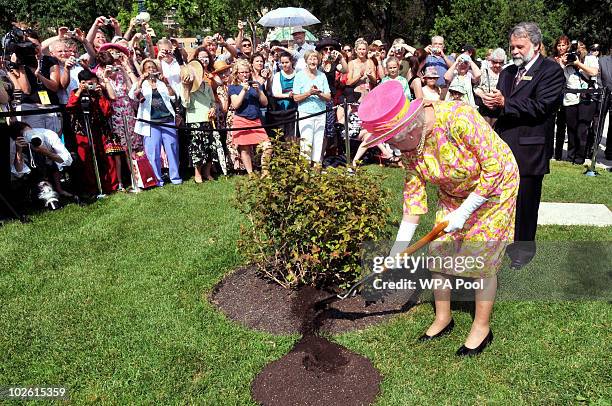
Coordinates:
<point>111,301</point>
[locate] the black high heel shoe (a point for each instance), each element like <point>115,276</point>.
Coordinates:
<point>446,330</point>
<point>468,352</point>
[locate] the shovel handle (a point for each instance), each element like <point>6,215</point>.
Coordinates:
<point>435,233</point>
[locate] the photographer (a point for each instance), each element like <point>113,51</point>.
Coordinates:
<point>247,99</point>
<point>170,67</point>
<point>463,73</point>
<point>579,107</point>
<point>35,76</point>
<point>560,48</point>
<point>46,155</point>
<point>402,52</point>
<point>90,101</point>
<point>96,35</point>
<point>439,60</point>
<point>333,64</point>
<point>155,95</point>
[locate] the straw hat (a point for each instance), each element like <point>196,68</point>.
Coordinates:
<point>386,111</point>
<point>195,71</point>
<point>220,66</point>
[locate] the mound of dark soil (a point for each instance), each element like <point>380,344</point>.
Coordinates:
<point>316,371</point>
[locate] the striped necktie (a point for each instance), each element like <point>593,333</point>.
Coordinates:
<point>519,75</point>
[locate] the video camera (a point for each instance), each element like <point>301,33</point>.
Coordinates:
<point>16,42</point>
<point>572,55</point>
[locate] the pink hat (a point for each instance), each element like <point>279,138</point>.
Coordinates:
<point>385,111</point>
<point>120,48</point>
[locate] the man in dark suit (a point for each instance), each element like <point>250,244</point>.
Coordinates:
<point>527,96</point>
<point>605,70</point>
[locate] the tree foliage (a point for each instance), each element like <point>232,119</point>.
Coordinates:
<point>307,226</point>
<point>482,23</point>
<point>486,23</point>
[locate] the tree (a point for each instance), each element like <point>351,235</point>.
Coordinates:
<point>486,23</point>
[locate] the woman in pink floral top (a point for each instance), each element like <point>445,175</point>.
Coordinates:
<point>450,145</point>
<point>120,77</point>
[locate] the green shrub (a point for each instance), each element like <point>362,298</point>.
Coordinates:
<point>307,225</point>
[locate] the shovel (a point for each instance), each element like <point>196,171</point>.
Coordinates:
<point>435,233</point>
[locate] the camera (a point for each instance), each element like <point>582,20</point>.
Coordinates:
<point>252,82</point>
<point>71,33</point>
<point>91,87</point>
<point>436,50</point>
<point>16,42</point>
<point>108,21</point>
<point>463,58</point>
<point>32,138</point>
<point>572,55</point>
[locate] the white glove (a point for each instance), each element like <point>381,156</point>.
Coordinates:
<point>457,218</point>
<point>404,236</point>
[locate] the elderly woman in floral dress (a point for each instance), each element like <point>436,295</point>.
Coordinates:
<point>450,145</point>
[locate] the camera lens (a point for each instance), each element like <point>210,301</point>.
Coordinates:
<point>36,142</point>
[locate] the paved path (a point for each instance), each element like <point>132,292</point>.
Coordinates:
<point>573,214</point>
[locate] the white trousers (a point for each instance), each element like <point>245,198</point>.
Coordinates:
<point>312,132</point>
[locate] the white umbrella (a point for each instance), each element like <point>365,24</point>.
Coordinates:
<point>288,17</point>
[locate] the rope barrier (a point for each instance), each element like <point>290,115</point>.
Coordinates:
<point>273,125</point>
<point>35,112</point>
<point>62,109</point>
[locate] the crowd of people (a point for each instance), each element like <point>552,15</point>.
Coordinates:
<point>135,110</point>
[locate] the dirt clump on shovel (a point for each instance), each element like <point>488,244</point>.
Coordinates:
<point>316,371</point>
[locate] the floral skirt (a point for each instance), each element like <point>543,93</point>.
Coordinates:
<point>206,145</point>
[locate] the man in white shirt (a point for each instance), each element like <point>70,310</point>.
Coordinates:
<point>170,67</point>
<point>39,154</point>
<point>300,46</point>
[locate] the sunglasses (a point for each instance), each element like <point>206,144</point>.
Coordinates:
<point>497,62</point>
<point>246,45</point>
<point>347,49</point>
<point>328,48</point>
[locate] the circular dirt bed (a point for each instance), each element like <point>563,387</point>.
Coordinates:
<point>266,306</point>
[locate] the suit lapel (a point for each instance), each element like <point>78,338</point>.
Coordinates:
<point>509,81</point>
<point>531,72</point>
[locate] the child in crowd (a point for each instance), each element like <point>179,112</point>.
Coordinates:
<point>431,91</point>
<point>393,67</point>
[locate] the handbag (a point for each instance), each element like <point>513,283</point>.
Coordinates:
<point>143,172</point>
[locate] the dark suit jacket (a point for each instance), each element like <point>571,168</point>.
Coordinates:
<point>526,122</point>
<point>605,70</point>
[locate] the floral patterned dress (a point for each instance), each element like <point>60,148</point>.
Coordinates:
<point>463,155</point>
<point>122,107</point>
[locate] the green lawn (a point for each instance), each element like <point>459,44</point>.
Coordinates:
<point>111,301</point>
